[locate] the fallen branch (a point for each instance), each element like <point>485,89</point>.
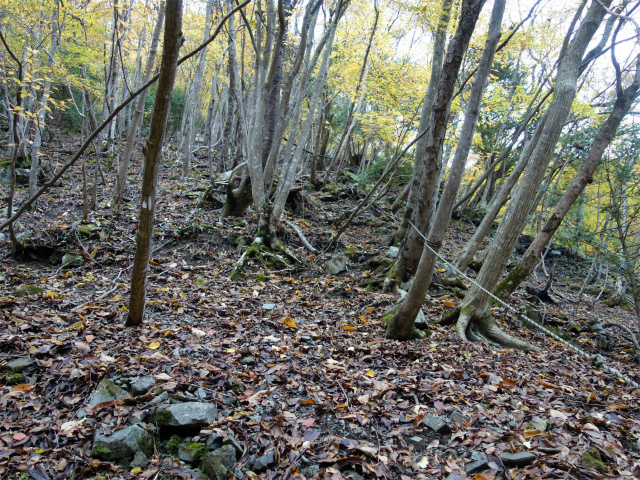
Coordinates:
<point>305,242</point>
<point>634,339</point>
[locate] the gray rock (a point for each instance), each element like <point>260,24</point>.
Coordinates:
<point>89,231</point>
<point>202,282</point>
<point>216,464</point>
<point>187,415</point>
<point>538,423</point>
<point>517,459</point>
<point>406,285</point>
<point>262,462</point>
<point>192,452</point>
<point>123,444</point>
<point>479,463</point>
<point>393,252</point>
<point>72,260</point>
<point>456,476</point>
<point>201,393</point>
<point>27,290</point>
<point>142,385</point>
<point>214,441</point>
<point>19,364</point>
<point>231,440</point>
<point>459,418</point>
<point>268,306</point>
<point>602,343</point>
<point>247,360</point>
<point>238,473</point>
<point>337,264</point>
<point>139,460</point>
<point>310,471</point>
<point>159,399</point>
<point>138,417</point>
<point>107,390</point>
<point>421,321</point>
<point>437,424</point>
<point>22,176</point>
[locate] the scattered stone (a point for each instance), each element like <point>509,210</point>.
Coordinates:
<point>437,424</point>
<point>563,335</point>
<point>19,364</point>
<point>27,290</point>
<point>602,343</point>
<point>138,417</point>
<point>459,418</point>
<point>534,314</point>
<point>598,328</point>
<point>494,379</point>
<point>575,328</point>
<point>231,440</point>
<point>202,282</point>
<point>351,250</point>
<point>159,399</point>
<point>192,452</point>
<point>393,252</point>
<point>142,385</point>
<point>456,476</point>
<point>337,264</point>
<point>123,444</point>
<point>216,464</point>
<point>107,391</point>
<point>268,306</point>
<point>538,423</point>
<point>72,260</point>
<point>593,461</point>
<point>416,439</point>
<point>479,462</point>
<point>517,459</point>
<point>89,231</point>
<point>139,460</point>
<point>201,394</point>
<point>421,320</point>
<point>187,415</point>
<point>214,441</point>
<point>262,462</point>
<point>22,176</point>
<point>310,471</point>
<point>247,360</point>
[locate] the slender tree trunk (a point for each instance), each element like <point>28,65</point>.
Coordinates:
<point>123,167</point>
<point>475,320</point>
<point>153,148</point>
<point>403,320</point>
<point>583,176</point>
<point>410,247</point>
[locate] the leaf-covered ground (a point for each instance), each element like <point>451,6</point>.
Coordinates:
<point>295,360</point>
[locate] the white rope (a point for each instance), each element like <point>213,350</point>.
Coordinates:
<point>597,360</point>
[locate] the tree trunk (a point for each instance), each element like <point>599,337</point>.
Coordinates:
<point>153,148</point>
<point>410,247</point>
<point>123,167</point>
<point>403,320</point>
<point>583,176</point>
<point>475,320</point>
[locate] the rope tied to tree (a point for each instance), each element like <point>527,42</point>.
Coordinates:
<point>597,360</point>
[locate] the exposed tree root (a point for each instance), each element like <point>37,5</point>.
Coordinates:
<point>472,328</point>
<point>634,339</point>
<point>259,248</point>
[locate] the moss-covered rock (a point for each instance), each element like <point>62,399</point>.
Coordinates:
<point>351,250</point>
<point>217,464</point>
<point>123,444</point>
<point>261,277</point>
<point>107,391</point>
<point>173,444</point>
<point>593,461</point>
<point>202,282</point>
<point>192,452</point>
<point>563,335</point>
<point>27,290</point>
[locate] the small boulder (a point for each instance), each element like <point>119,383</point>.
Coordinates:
<point>268,306</point>
<point>479,462</point>
<point>202,282</point>
<point>139,460</point>
<point>337,264</point>
<point>437,424</point>
<point>393,252</point>
<point>123,444</point>
<point>107,390</point>
<point>187,415</point>
<point>217,464</point>
<point>192,452</point>
<point>27,290</point>
<point>517,459</point>
<point>262,462</point>
<point>72,260</point>
<point>89,231</point>
<point>142,385</point>
<point>19,364</point>
<point>459,418</point>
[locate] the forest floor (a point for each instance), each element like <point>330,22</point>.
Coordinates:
<point>295,360</point>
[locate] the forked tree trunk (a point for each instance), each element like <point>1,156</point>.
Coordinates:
<point>583,176</point>
<point>475,320</point>
<point>153,148</point>
<point>404,319</point>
